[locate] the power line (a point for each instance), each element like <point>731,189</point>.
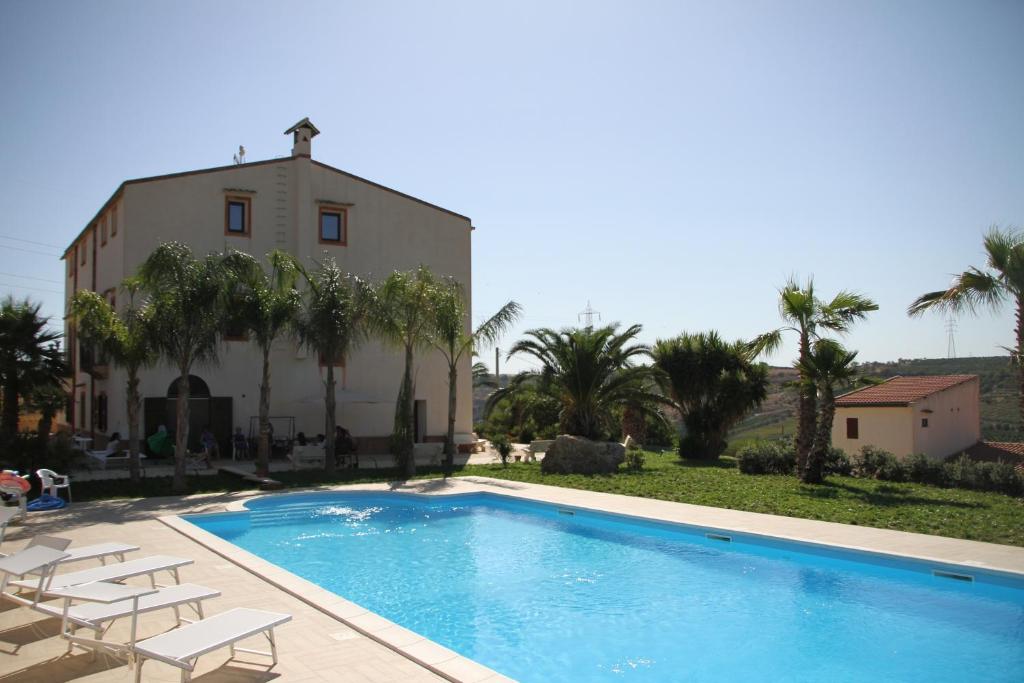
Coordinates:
<point>38,289</point>
<point>30,251</point>
<point>29,277</point>
<point>41,244</point>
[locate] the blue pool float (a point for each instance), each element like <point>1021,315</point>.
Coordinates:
<point>46,502</point>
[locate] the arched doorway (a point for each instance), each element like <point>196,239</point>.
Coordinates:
<point>204,410</point>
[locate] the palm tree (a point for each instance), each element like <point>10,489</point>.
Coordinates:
<point>592,372</point>
<point>332,324</point>
<point>266,306</point>
<point>829,365</point>
<point>128,340</point>
<point>30,358</point>
<point>451,337</point>
<point>405,317</point>
<point>809,316</point>
<point>1003,280</point>
<point>186,295</point>
<point>714,383</point>
<point>482,376</point>
<point>48,400</point>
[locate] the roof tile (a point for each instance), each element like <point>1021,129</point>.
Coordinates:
<point>901,391</point>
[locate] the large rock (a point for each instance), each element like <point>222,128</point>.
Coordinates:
<point>576,455</point>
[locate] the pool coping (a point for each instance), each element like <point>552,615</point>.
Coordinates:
<point>990,557</point>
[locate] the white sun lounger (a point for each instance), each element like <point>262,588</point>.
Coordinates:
<point>118,457</point>
<point>108,602</point>
<point>7,514</point>
<point>97,551</point>
<point>114,572</point>
<point>182,647</point>
<point>37,559</point>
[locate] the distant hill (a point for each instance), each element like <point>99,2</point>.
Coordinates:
<point>1000,418</point>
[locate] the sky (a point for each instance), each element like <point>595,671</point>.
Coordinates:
<point>670,163</point>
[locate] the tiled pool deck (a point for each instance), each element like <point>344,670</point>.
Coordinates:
<point>337,640</point>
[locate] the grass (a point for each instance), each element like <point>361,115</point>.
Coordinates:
<point>975,515</point>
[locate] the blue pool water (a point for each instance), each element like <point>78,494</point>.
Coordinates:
<point>542,595</point>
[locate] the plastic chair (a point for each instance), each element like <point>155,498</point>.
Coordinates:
<point>52,482</point>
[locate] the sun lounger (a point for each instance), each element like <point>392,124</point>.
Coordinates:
<point>7,515</point>
<point>311,455</point>
<point>182,647</point>
<point>113,572</point>
<point>108,604</point>
<point>97,551</point>
<point>115,457</point>
<point>37,559</point>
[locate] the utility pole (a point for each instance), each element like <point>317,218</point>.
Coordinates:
<point>950,337</point>
<point>587,315</point>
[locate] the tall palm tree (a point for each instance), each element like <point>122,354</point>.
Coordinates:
<point>592,372</point>
<point>828,365</point>
<point>266,305</point>
<point>405,317</point>
<point>809,317</point>
<point>451,336</point>
<point>30,358</point>
<point>482,376</point>
<point>714,383</point>
<point>975,288</point>
<point>187,296</point>
<point>332,324</point>
<point>128,339</point>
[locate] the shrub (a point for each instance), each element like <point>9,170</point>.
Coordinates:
<point>1000,477</point>
<point>634,458</point>
<point>767,457</point>
<point>875,463</point>
<point>838,462</point>
<point>502,445</point>
<point>924,471</point>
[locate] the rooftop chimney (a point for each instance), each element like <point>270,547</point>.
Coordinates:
<point>303,132</point>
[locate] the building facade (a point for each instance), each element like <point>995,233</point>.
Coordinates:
<point>309,209</point>
<point>935,415</point>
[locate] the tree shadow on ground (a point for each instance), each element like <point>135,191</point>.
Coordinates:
<point>885,495</point>
<point>695,463</point>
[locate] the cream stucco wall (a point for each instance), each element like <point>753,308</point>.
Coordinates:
<point>888,428</point>
<point>386,231</point>
<point>954,423</point>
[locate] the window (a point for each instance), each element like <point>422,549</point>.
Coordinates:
<point>113,221</point>
<point>924,421</point>
<point>334,225</point>
<point>237,220</point>
<point>103,232</point>
<point>235,331</point>
<point>852,428</point>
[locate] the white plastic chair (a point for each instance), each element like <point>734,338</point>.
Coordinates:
<point>52,482</point>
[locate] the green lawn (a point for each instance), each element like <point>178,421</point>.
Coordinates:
<point>908,507</point>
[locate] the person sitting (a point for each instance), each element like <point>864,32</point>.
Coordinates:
<point>160,443</point>
<point>209,443</point>
<point>239,444</point>
<point>114,442</point>
<point>344,446</point>
<point>300,439</point>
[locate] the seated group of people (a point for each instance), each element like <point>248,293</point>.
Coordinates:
<point>345,445</point>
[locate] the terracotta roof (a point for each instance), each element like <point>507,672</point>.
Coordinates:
<point>901,391</point>
<point>994,451</point>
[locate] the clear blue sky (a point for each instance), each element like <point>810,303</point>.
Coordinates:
<point>671,162</point>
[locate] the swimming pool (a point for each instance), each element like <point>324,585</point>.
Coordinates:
<point>542,593</point>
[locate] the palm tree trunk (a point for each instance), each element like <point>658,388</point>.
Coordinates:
<point>43,429</point>
<point>133,425</point>
<point>407,446</point>
<point>808,408</point>
<point>1020,359</point>
<point>815,471</point>
<point>329,421</point>
<point>181,433</point>
<point>449,440</point>
<point>263,448</point>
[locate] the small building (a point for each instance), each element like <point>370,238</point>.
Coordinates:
<point>935,415</point>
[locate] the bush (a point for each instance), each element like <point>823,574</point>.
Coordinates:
<point>838,462</point>
<point>924,471</point>
<point>1000,477</point>
<point>634,458</point>
<point>503,446</point>
<point>767,457</point>
<point>875,463</point>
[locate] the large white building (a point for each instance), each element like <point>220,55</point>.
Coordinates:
<point>299,205</point>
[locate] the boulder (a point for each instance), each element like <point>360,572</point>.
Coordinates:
<point>576,455</point>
